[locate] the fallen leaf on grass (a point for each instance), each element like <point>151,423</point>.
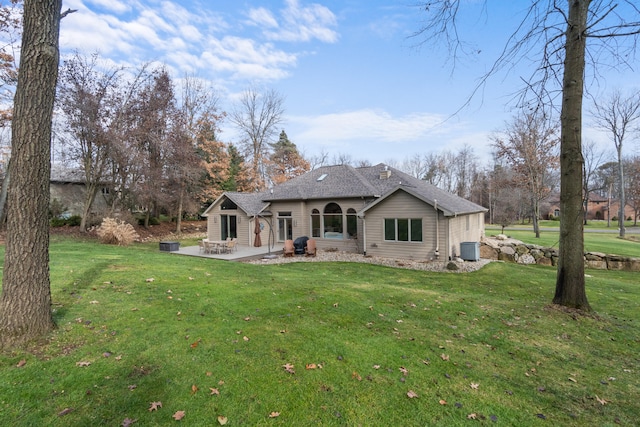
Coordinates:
<point>21,363</point>
<point>356,376</point>
<point>127,422</point>
<point>289,368</point>
<point>274,414</point>
<point>376,366</point>
<point>601,401</point>
<point>65,411</point>
<point>442,402</point>
<point>573,380</point>
<point>150,279</point>
<point>195,344</point>
<point>444,357</point>
<point>94,302</point>
<point>311,366</point>
<point>245,338</point>
<point>404,370</point>
<point>81,364</point>
<point>214,391</point>
<point>472,416</point>
<point>222,420</point>
<point>154,406</point>
<point>194,389</point>
<point>412,394</point>
<point>178,415</point>
<point>475,386</point>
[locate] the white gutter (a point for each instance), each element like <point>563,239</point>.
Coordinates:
<point>437,251</point>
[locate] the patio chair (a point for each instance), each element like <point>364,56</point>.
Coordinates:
<point>288,248</point>
<point>310,249</point>
<point>202,247</point>
<point>230,246</point>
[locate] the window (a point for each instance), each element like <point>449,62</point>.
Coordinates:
<point>285,226</point>
<point>315,223</point>
<point>403,229</point>
<point>228,227</point>
<point>352,224</point>
<point>228,205</point>
<point>332,221</point>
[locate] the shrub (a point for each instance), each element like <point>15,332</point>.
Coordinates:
<point>74,220</point>
<point>116,232</point>
<point>57,222</point>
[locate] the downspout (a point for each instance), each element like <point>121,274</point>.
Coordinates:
<point>437,251</point>
<point>364,237</point>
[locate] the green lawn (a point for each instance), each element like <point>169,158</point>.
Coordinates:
<point>212,339</point>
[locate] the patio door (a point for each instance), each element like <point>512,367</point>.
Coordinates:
<point>285,226</point>
<point>229,227</point>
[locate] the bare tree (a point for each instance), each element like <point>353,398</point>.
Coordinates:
<point>414,165</point>
<point>198,105</point>
<point>25,304</point>
<point>257,117</point>
<point>560,33</point>
<point>633,177</point>
<point>319,159</point>
<point>617,115</point>
<point>529,145</point>
<point>87,95</point>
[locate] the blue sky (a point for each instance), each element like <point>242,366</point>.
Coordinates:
<point>355,83</point>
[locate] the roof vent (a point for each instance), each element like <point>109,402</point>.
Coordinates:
<point>321,177</point>
<point>385,174</point>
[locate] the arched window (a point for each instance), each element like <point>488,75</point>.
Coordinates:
<point>332,221</point>
<point>315,223</point>
<point>352,224</point>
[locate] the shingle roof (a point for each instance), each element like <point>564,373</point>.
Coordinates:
<point>345,181</point>
<point>340,181</point>
<point>251,203</point>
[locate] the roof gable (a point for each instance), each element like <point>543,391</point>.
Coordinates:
<point>250,203</point>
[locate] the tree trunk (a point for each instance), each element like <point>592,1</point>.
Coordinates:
<point>179,213</point>
<point>25,304</point>
<point>570,283</point>
<point>3,196</point>
<point>623,202</point>
<point>89,198</point>
<point>536,216</point>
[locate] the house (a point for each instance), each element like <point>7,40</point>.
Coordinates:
<point>68,186</point>
<point>599,207</point>
<point>374,210</point>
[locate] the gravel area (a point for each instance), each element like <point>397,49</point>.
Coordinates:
<point>439,266</point>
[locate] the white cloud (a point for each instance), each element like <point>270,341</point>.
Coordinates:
<point>262,17</point>
<point>112,5</point>
<point>371,125</point>
<point>305,23</point>
<point>247,59</point>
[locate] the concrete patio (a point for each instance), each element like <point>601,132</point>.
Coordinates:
<point>243,253</point>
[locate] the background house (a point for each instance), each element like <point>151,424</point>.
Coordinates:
<point>69,188</point>
<point>376,210</point>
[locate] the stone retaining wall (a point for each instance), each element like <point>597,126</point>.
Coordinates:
<point>510,250</point>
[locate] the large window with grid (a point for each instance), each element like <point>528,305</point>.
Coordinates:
<point>403,229</point>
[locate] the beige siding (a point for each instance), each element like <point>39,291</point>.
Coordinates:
<point>244,232</point>
<point>465,228</point>
<point>403,205</point>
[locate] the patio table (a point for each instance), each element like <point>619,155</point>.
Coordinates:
<point>215,246</point>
